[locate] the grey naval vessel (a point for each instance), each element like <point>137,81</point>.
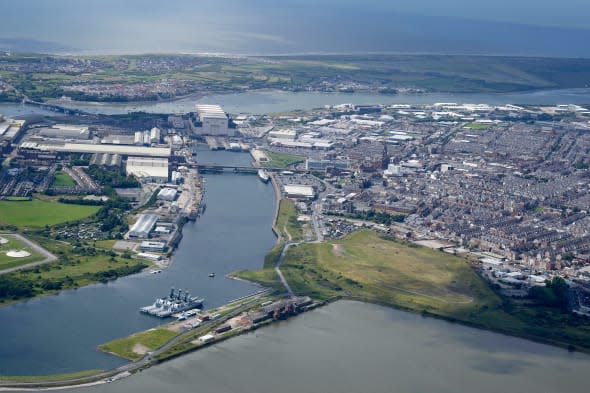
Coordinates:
<point>176,302</point>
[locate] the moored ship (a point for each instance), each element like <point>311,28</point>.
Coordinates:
<point>263,175</point>
<point>176,302</point>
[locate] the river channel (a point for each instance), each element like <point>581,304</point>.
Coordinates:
<point>261,102</point>
<point>59,334</point>
<point>355,347</point>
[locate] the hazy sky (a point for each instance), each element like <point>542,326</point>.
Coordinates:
<point>295,26</point>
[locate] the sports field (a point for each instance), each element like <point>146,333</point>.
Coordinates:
<point>62,179</point>
<point>37,213</point>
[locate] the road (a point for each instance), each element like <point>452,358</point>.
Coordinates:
<point>278,268</point>
<point>317,227</point>
<point>49,257</point>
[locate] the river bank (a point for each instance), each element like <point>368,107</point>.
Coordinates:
<point>349,346</point>
<point>102,312</point>
<point>278,101</point>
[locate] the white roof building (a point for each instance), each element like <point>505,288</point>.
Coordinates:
<point>99,148</point>
<point>143,226</point>
<point>65,131</point>
<point>214,120</point>
<point>167,194</point>
<point>148,169</point>
<point>298,191</point>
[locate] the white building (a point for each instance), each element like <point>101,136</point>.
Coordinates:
<point>143,226</point>
<point>155,135</point>
<point>98,148</point>
<point>167,194</point>
<point>283,134</point>
<point>148,169</point>
<point>213,121</point>
<point>298,191</point>
<point>152,246</point>
<point>62,131</point>
<point>10,128</point>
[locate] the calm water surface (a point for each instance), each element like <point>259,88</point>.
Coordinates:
<point>355,347</point>
<point>261,102</point>
<point>58,334</point>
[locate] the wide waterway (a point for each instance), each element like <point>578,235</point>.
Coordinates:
<point>58,334</point>
<point>355,347</point>
<point>260,102</point>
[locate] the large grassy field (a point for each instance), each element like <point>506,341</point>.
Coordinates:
<point>37,213</point>
<point>281,160</point>
<point>62,179</point>
<point>287,222</point>
<point>368,267</point>
<point>135,347</point>
<point>7,262</point>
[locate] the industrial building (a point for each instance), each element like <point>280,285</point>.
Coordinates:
<point>147,138</point>
<point>10,128</point>
<point>155,135</point>
<point>167,194</point>
<point>63,131</point>
<point>148,169</point>
<point>97,148</point>
<point>115,139</point>
<point>298,191</point>
<point>151,246</point>
<point>212,120</point>
<point>106,159</point>
<point>143,226</point>
<point>283,134</point>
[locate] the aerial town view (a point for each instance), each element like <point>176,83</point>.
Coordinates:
<point>250,219</point>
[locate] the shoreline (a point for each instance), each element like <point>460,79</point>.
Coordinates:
<point>199,95</point>
<point>113,375</point>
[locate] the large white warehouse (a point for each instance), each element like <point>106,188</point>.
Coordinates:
<point>143,226</point>
<point>214,121</point>
<point>148,168</point>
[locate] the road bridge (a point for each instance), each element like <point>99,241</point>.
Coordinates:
<point>216,168</point>
<point>58,108</point>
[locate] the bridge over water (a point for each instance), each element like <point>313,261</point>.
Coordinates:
<point>58,108</point>
<point>214,168</point>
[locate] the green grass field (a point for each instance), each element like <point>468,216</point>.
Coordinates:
<point>135,347</point>
<point>106,244</point>
<point>386,271</point>
<point>7,262</point>
<point>62,179</point>
<point>287,222</point>
<point>37,213</point>
<point>368,267</point>
<point>282,160</point>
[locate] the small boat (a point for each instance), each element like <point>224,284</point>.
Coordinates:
<point>211,275</point>
<point>155,271</point>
